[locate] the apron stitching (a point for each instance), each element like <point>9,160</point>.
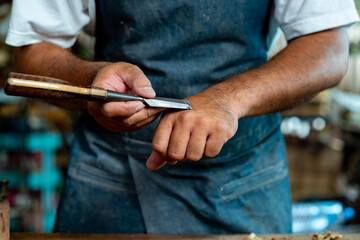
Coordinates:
<point>75,174</point>
<point>284,174</point>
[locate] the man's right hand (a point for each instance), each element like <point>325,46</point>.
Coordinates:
<point>123,116</point>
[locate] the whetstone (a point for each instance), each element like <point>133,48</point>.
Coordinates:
<point>4,220</point>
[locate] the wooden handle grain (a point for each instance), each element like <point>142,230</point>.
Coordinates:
<point>25,85</point>
<point>4,220</point>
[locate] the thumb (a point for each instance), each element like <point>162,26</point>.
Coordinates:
<point>139,83</point>
<point>155,161</point>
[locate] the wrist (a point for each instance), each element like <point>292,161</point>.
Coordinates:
<point>96,68</point>
<point>244,100</point>
<point>226,96</point>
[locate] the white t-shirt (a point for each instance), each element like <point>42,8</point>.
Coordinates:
<point>60,21</point>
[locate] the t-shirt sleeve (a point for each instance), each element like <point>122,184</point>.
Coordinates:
<point>55,21</point>
<point>301,17</point>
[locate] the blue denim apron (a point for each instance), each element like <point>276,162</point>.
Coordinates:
<point>183,47</point>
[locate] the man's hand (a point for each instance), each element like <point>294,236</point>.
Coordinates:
<point>192,134</point>
<point>123,116</point>
<point>306,66</point>
<point>48,59</point>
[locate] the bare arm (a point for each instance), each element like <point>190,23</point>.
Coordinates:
<point>48,59</point>
<point>306,66</point>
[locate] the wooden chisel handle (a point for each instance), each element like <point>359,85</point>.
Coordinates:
<point>25,85</point>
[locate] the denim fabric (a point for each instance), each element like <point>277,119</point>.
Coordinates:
<point>99,193</point>
<point>183,47</point>
<point>109,189</point>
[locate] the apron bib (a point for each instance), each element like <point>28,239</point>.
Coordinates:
<point>183,47</point>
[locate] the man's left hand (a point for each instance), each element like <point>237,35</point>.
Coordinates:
<point>192,134</point>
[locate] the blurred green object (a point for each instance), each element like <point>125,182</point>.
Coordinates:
<point>47,179</point>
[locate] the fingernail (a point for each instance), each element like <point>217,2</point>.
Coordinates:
<point>148,90</point>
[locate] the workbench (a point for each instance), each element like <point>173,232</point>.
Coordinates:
<point>60,236</point>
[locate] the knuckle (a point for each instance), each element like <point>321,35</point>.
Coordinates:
<point>106,112</point>
<point>219,126</point>
<point>150,113</point>
<point>176,156</point>
<point>129,111</point>
<point>204,121</point>
<point>212,151</point>
<point>128,122</point>
<point>166,120</point>
<point>185,117</point>
<point>193,156</point>
<point>141,124</point>
<point>125,65</point>
<point>159,148</point>
<point>133,70</point>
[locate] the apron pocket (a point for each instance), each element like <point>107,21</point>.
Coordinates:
<point>254,181</point>
<point>86,173</point>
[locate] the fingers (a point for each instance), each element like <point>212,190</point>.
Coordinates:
<point>118,109</point>
<point>176,140</point>
<point>178,143</point>
<point>126,78</point>
<point>123,117</point>
<point>190,136</point>
<point>136,80</point>
<point>139,83</point>
<point>155,161</point>
<point>143,117</point>
<point>213,145</point>
<point>161,136</point>
<point>196,146</point>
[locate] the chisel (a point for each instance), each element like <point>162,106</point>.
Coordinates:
<point>18,84</point>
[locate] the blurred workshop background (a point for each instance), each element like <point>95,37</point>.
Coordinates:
<point>323,144</point>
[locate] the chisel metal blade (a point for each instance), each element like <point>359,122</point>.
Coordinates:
<point>168,103</point>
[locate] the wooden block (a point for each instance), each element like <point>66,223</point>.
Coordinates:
<point>4,220</point>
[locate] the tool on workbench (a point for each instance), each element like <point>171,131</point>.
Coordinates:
<point>4,211</point>
<point>25,85</point>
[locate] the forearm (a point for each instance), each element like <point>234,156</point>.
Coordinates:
<point>306,66</point>
<point>51,60</point>
<point>47,59</point>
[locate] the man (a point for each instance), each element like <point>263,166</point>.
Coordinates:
<point>227,170</point>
